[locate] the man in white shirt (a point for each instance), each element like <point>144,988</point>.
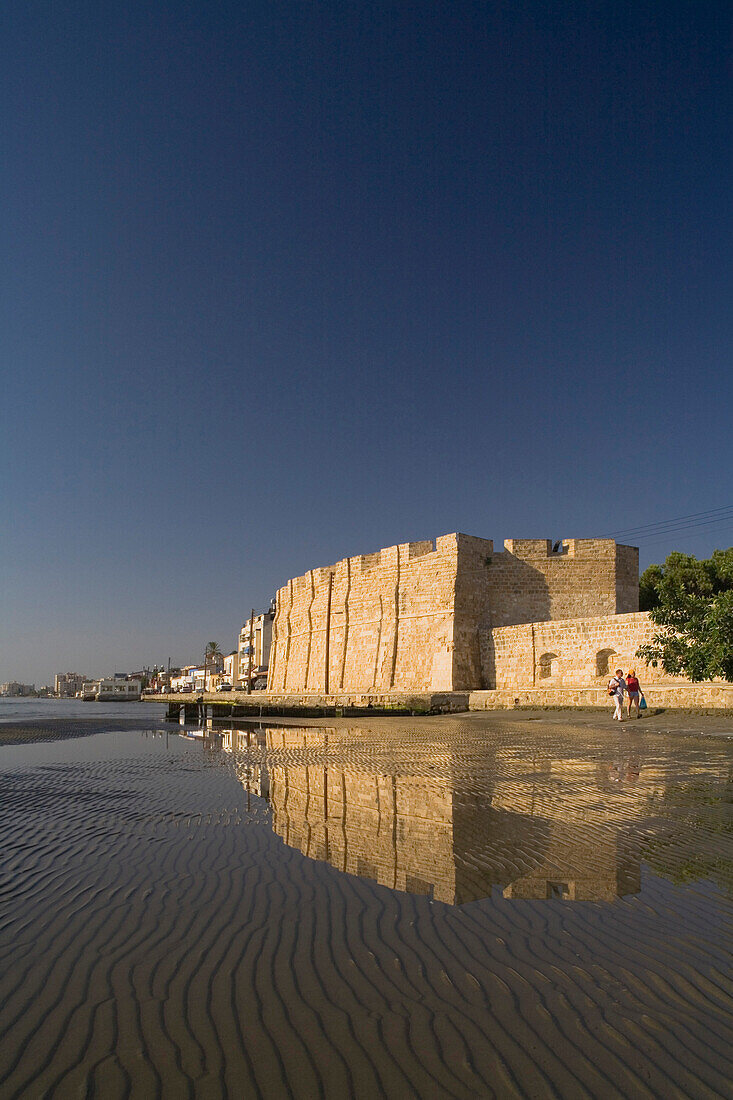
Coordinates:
<point>616,687</point>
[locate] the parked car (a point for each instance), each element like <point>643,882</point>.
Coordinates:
<point>224,687</point>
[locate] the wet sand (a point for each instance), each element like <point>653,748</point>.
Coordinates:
<point>519,905</point>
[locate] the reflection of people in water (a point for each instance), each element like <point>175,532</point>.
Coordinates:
<point>626,771</point>
<point>632,769</point>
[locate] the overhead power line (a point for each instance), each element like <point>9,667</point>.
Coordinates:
<point>680,523</point>
<point>659,539</point>
<point>682,527</point>
<point>665,522</point>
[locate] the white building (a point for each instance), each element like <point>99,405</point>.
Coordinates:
<point>259,629</point>
<point>112,690</point>
<point>190,679</point>
<point>14,688</point>
<point>231,666</point>
<point>192,676</point>
<point>67,684</point>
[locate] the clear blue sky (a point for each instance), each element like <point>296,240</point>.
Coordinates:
<point>288,281</point>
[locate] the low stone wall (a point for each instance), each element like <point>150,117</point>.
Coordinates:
<point>666,696</point>
<point>569,652</point>
<point>715,696</point>
<point>444,702</point>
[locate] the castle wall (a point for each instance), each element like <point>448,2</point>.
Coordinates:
<point>384,620</point>
<point>417,616</point>
<point>529,583</point>
<point>569,652</point>
<point>472,610</point>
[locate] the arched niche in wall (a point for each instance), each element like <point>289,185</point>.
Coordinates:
<point>549,665</point>
<point>603,661</point>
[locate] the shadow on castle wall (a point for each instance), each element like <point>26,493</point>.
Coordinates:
<point>518,592</point>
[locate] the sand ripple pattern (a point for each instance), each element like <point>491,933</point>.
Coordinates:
<point>164,934</point>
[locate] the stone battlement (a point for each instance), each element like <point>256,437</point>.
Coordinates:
<point>530,549</point>
<point>389,556</point>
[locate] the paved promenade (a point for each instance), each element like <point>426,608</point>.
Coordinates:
<point>695,697</point>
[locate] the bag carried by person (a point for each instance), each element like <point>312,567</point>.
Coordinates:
<point>612,688</point>
<point>642,703</point>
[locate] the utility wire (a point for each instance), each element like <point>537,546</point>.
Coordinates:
<point>714,513</point>
<point>684,527</point>
<point>656,541</point>
<point>671,529</point>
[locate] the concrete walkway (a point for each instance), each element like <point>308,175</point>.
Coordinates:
<point>696,697</point>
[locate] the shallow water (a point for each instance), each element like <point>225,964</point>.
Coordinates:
<point>20,710</point>
<point>434,907</point>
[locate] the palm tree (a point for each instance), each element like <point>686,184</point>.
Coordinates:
<point>212,650</point>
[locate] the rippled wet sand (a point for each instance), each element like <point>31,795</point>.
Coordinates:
<point>452,907</point>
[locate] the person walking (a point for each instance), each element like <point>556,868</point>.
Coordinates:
<point>616,688</point>
<point>633,690</point>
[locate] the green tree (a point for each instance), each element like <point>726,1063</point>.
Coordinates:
<point>691,601</point>
<point>648,595</point>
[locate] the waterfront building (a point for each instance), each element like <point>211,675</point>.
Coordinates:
<point>538,621</point>
<point>231,664</point>
<point>208,678</point>
<point>259,631</point>
<point>68,684</point>
<point>191,677</point>
<point>420,616</point>
<point>14,689</point>
<point>160,679</point>
<point>113,689</point>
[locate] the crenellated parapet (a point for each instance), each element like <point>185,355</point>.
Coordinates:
<point>534,580</point>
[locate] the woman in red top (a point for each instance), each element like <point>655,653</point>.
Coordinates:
<point>633,690</point>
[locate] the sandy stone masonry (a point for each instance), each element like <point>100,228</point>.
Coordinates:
<point>419,616</point>
<point>569,652</point>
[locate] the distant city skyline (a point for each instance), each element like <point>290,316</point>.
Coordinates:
<point>284,284</point>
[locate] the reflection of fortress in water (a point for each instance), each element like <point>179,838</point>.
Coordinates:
<point>536,828</point>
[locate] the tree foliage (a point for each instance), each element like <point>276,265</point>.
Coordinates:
<point>691,601</point>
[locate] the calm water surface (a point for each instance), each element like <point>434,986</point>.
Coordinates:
<point>429,907</point>
<point>13,711</point>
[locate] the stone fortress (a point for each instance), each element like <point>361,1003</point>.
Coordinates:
<point>458,615</point>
